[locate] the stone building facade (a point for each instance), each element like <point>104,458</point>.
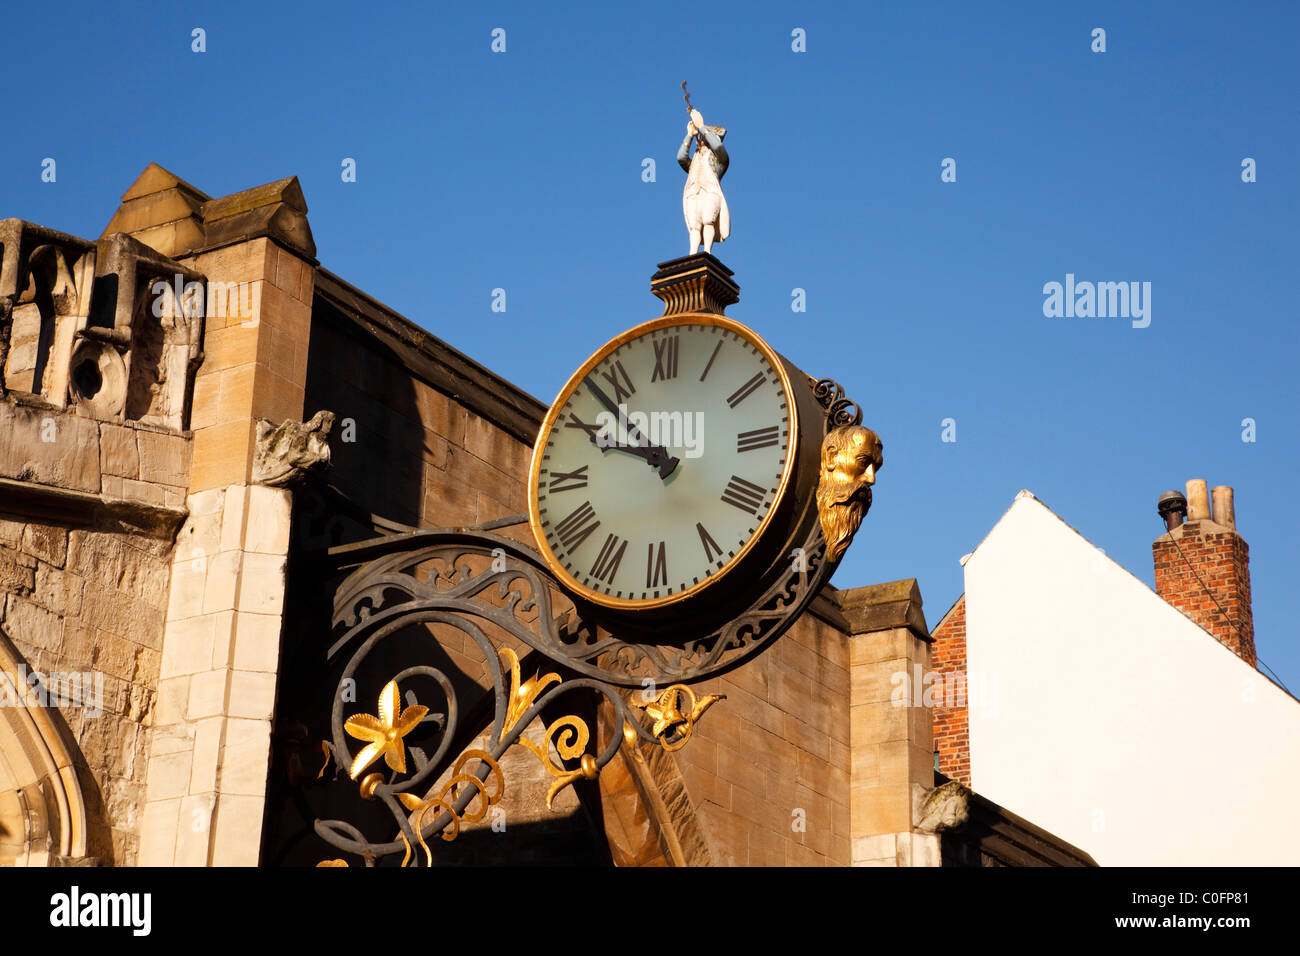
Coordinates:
<point>201,427</point>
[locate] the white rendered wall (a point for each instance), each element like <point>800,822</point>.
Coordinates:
<point>1110,719</point>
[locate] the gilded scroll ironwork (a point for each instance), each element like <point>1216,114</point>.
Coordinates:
<point>475,582</point>
<point>419,811</point>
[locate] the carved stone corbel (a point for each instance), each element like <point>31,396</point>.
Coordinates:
<point>942,809</point>
<point>290,452</point>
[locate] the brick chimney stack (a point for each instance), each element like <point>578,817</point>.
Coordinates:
<point>1203,565</point>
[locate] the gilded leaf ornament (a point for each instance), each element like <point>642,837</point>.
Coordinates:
<point>384,732</point>
<point>673,724</point>
<point>522,694</point>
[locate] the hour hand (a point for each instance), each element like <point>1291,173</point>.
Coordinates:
<point>655,455</point>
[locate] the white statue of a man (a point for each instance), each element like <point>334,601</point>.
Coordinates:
<point>707,216</point>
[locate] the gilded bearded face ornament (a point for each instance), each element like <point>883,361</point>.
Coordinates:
<point>851,456</point>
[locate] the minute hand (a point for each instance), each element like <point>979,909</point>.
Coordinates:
<point>655,455</point>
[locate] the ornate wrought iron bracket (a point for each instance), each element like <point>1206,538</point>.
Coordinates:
<point>481,583</point>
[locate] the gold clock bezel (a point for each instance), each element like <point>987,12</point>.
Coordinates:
<point>576,379</point>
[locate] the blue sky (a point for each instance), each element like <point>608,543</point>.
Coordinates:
<point>522,171</point>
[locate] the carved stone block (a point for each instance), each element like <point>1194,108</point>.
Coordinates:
<point>114,327</point>
<point>287,453</point>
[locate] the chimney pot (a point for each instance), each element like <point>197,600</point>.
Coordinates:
<point>1222,501</point>
<point>1172,506</point>
<point>1198,500</point>
<point>1203,566</point>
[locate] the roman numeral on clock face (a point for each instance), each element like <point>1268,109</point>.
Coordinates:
<point>665,358</point>
<point>613,376</point>
<point>711,549</point>
<point>577,527</point>
<point>746,390</point>
<point>611,556</point>
<point>758,438</point>
<point>745,495</point>
<point>568,480</point>
<point>656,566</point>
<point>576,422</point>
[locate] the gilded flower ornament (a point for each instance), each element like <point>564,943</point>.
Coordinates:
<point>384,732</point>
<point>673,724</point>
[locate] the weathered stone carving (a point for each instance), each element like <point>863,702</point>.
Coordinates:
<point>114,327</point>
<point>289,452</point>
<point>155,323</point>
<point>46,279</point>
<point>97,380</point>
<point>851,454</point>
<point>956,827</point>
<point>943,809</point>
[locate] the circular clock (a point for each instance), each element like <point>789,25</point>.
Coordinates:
<point>666,463</point>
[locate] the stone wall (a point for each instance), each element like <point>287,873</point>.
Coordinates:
<point>209,746</point>
<point>103,487</point>
<point>92,601</point>
<point>892,743</point>
<point>768,768</point>
<point>129,461</point>
<point>87,512</point>
<point>409,451</point>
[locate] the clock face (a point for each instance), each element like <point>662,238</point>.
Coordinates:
<point>662,461</point>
